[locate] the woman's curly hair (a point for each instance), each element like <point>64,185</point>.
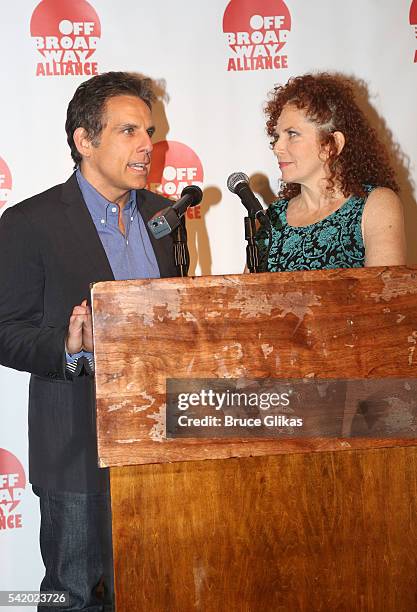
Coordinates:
<point>328,100</point>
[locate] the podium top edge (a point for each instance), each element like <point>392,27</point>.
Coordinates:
<point>382,272</point>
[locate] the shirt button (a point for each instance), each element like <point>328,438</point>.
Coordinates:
<point>131,218</point>
<point>102,221</point>
<point>114,209</point>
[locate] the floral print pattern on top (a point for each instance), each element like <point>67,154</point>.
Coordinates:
<point>333,242</point>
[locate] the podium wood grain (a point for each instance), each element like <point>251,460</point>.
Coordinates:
<point>305,532</point>
<point>279,527</point>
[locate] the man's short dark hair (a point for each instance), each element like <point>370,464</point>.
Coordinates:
<point>87,106</point>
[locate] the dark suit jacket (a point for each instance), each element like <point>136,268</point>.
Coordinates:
<point>50,252</point>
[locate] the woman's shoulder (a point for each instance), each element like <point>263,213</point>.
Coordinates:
<point>376,199</point>
<point>277,212</point>
<point>381,199</point>
<point>278,207</point>
<point>280,203</point>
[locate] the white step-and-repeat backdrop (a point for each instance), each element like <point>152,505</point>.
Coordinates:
<point>213,63</point>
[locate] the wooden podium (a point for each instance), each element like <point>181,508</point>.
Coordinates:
<point>256,525</point>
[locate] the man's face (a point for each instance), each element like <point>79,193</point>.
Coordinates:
<point>121,160</point>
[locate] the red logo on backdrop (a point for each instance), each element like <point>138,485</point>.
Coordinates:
<point>12,486</point>
<point>256,32</point>
<point>65,33</point>
<point>174,166</point>
<point>413,22</point>
<point>5,183</point>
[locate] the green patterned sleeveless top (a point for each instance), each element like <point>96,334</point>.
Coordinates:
<point>333,242</point>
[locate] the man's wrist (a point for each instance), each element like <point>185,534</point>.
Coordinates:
<point>70,350</point>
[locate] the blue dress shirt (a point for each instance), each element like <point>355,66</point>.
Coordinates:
<point>130,255</point>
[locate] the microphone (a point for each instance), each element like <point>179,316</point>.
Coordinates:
<point>168,219</point>
<point>238,183</point>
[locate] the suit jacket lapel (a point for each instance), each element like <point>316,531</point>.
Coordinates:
<point>83,229</point>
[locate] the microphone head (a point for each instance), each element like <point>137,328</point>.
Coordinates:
<point>194,193</point>
<point>235,179</point>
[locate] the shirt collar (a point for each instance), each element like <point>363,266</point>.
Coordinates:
<point>96,203</point>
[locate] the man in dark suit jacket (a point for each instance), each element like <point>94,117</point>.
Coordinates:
<point>52,246</point>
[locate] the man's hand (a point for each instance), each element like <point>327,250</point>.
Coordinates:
<point>80,330</point>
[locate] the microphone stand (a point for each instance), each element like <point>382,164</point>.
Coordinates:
<point>252,254</point>
<point>180,249</point>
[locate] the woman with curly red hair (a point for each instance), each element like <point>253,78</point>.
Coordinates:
<point>338,205</point>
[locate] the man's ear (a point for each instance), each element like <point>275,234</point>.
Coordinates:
<point>340,141</point>
<point>82,142</point>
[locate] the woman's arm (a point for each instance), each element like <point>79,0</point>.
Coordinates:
<point>383,229</point>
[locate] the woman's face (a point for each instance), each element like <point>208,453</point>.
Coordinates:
<point>300,156</point>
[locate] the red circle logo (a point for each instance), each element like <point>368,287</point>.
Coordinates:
<point>258,28</point>
<point>174,166</point>
<point>66,33</point>
<point>12,483</point>
<point>5,183</point>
